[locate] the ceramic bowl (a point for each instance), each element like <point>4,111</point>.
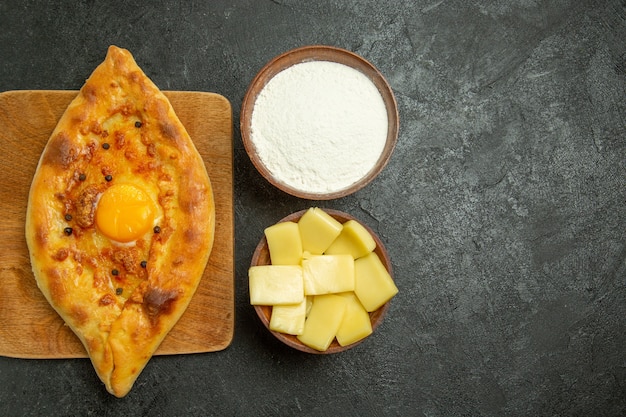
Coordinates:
<point>319,53</point>
<point>261,256</point>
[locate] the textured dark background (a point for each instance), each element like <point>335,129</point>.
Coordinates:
<point>503,207</point>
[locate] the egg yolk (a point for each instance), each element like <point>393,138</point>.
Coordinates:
<point>125,213</point>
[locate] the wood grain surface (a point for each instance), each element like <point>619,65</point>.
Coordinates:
<point>29,327</point>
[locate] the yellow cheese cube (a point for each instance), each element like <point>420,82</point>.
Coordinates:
<point>354,239</point>
<point>318,230</point>
<point>323,322</point>
<point>276,284</point>
<point>325,274</point>
<point>284,243</point>
<point>289,318</point>
<point>372,283</point>
<point>356,323</point>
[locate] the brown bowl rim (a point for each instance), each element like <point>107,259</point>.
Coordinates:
<point>320,53</point>
<point>264,312</point>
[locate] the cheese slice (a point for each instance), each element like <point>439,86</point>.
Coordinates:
<point>323,321</point>
<point>318,230</point>
<point>373,284</point>
<point>289,318</point>
<point>356,323</point>
<point>325,274</point>
<point>284,243</point>
<point>276,284</point>
<point>354,239</point>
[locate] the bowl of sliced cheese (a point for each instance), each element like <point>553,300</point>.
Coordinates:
<point>320,281</point>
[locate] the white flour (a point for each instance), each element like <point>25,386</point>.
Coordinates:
<point>319,126</point>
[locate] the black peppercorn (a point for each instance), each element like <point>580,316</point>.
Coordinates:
<point>106,146</point>
<point>68,217</point>
<point>108,177</point>
<point>68,231</point>
<point>115,272</point>
<point>119,291</point>
<point>82,177</point>
<point>144,264</point>
<point>157,229</point>
<point>137,124</point>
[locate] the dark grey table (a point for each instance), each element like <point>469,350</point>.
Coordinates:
<point>503,207</point>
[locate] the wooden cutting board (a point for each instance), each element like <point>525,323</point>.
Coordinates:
<point>29,327</point>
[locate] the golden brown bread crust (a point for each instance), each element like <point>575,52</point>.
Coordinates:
<point>120,300</point>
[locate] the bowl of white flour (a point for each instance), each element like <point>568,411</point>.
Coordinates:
<point>319,122</point>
